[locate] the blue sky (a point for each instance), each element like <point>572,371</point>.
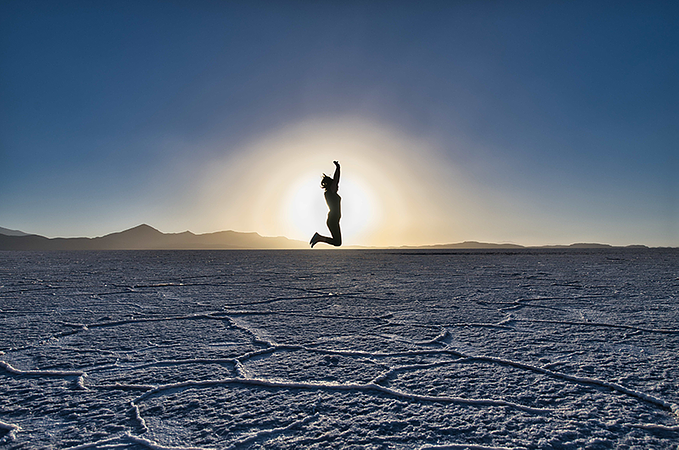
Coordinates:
<point>528,122</point>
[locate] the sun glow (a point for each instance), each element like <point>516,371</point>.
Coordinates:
<point>272,185</point>
<point>307,211</point>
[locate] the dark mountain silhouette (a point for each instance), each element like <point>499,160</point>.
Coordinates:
<point>8,232</point>
<point>470,245</point>
<point>473,245</point>
<point>145,237</point>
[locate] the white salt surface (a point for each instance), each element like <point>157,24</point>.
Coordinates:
<point>340,349</point>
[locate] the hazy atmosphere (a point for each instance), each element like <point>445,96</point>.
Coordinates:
<point>526,122</point>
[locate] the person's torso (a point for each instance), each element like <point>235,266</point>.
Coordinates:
<point>334,202</point>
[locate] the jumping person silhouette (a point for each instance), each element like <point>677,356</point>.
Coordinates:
<point>333,200</point>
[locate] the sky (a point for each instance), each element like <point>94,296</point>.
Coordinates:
<point>530,122</point>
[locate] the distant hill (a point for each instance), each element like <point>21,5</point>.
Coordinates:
<point>145,237</point>
<point>8,232</point>
<point>470,245</point>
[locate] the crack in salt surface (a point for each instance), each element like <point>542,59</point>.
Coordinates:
<point>598,324</point>
<point>467,447</point>
<point>370,387</point>
<point>262,434</point>
<point>155,446</point>
<point>11,429</point>
<point>40,373</point>
<point>582,380</point>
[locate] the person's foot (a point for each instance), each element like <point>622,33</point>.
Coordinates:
<point>314,240</point>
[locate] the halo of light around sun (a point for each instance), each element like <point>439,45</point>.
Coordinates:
<point>306,210</point>
<point>273,184</point>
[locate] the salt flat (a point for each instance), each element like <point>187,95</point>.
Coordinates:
<point>345,349</point>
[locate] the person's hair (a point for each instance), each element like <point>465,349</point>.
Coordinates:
<point>326,181</point>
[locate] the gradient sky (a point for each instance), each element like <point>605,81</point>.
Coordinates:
<point>527,122</point>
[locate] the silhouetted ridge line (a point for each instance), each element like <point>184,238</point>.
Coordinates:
<point>8,232</point>
<point>470,245</point>
<point>145,237</point>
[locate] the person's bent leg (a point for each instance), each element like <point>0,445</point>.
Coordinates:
<point>320,238</point>
<point>336,234</point>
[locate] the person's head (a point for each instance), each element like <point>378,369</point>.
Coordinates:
<point>326,181</point>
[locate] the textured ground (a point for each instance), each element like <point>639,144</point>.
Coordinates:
<point>343,349</point>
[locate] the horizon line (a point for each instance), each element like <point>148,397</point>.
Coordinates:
<point>473,244</point>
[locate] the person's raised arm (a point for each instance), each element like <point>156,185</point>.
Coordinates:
<point>336,177</point>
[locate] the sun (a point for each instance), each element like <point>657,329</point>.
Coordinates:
<point>307,211</point>
<point>391,185</point>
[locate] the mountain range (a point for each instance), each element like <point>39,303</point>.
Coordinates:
<point>145,237</point>
<point>8,232</point>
